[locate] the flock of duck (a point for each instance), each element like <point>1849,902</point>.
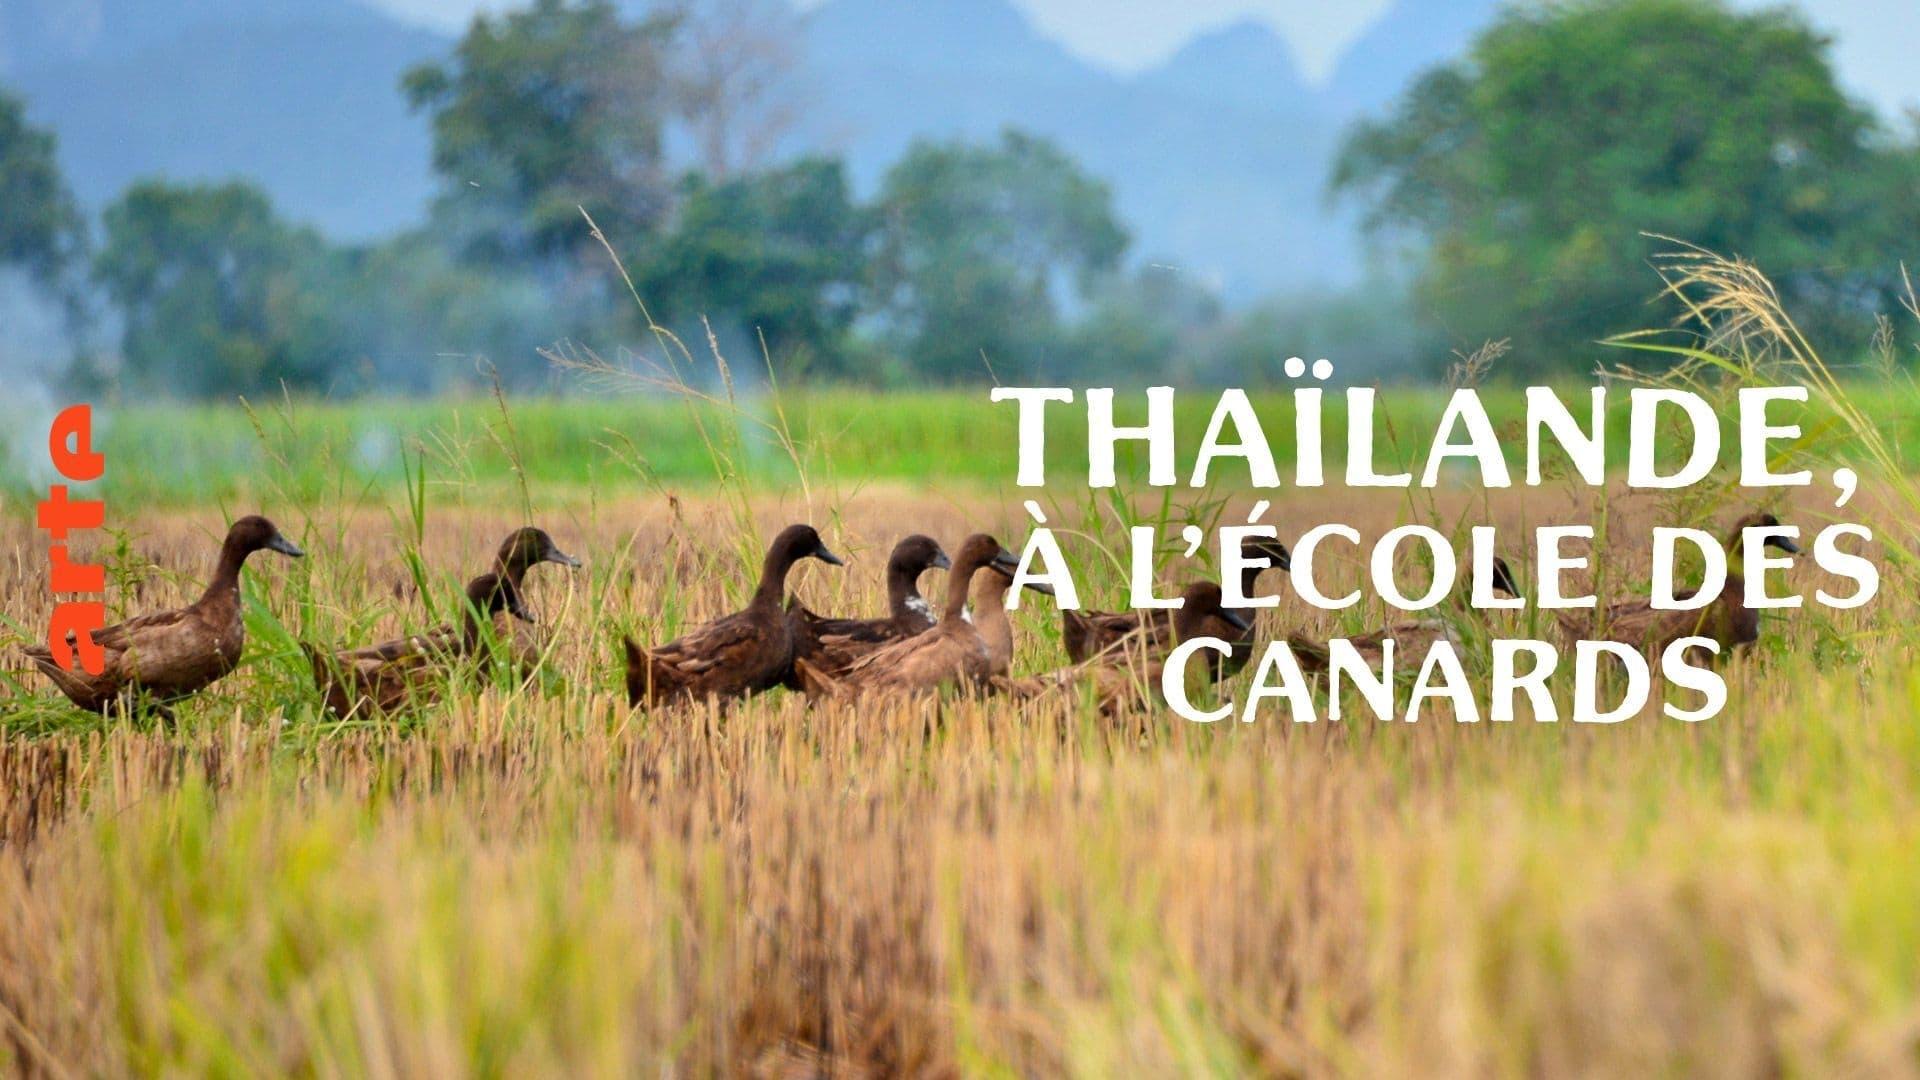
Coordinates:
<point>156,659</point>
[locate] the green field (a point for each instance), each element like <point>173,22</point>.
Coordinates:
<point>313,451</point>
<point>523,874</point>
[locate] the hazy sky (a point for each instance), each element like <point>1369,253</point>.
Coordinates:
<point>1878,39</point>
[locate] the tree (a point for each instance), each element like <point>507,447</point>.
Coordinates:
<point>734,79</point>
<point>216,293</point>
<point>1528,171</point>
<point>1154,324</point>
<point>778,254</point>
<point>41,231</point>
<point>982,247</point>
<point>542,112</point>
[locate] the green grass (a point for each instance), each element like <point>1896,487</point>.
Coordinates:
<point>182,454</point>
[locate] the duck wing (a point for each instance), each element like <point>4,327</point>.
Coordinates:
<point>834,645</point>
<point>167,654</point>
<point>1086,634</point>
<point>952,652</point>
<point>1412,641</point>
<point>742,653</point>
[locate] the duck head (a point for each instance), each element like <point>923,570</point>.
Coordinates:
<point>1503,579</point>
<point>1004,570</point>
<point>1760,519</point>
<point>911,557</point>
<point>797,542</point>
<point>1262,553</point>
<point>794,543</point>
<point>255,533</point>
<point>917,554</point>
<point>1268,548</point>
<point>1202,600</point>
<point>979,550</point>
<point>528,547</point>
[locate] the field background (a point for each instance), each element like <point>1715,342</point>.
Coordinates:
<point>621,439</point>
<point>531,878</point>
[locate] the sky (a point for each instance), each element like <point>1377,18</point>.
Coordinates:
<point>1878,39</point>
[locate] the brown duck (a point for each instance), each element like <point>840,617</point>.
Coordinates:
<point>743,653</point>
<point>1118,674</point>
<point>953,652</point>
<point>1727,620</point>
<point>989,614</point>
<point>1412,641</point>
<point>1086,634</point>
<point>525,639</point>
<point>833,645</point>
<point>167,655</point>
<point>411,670</point>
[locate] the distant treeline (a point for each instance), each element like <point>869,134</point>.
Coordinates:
<point>1508,193</point>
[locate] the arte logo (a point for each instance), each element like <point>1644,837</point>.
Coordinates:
<point>70,634</point>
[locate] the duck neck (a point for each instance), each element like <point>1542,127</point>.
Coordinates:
<point>903,585</point>
<point>990,619</point>
<point>959,581</point>
<point>226,576</point>
<point>469,628</point>
<point>1250,579</point>
<point>512,571</point>
<point>1189,622</point>
<point>1736,551</point>
<point>773,579</point>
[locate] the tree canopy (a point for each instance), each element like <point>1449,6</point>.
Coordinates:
<point>216,293</point>
<point>542,112</point>
<point>41,230</point>
<point>1528,171</point>
<point>778,254</point>
<point>981,247</point>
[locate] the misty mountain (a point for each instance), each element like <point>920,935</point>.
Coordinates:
<point>1217,158</point>
<point>1241,65</point>
<point>1410,37</point>
<point>300,95</point>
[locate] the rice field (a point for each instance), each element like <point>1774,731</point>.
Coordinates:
<point>529,878</point>
<point>614,441</point>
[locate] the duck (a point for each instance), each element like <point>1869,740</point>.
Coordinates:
<point>743,653</point>
<point>525,639</point>
<point>1412,641</point>
<point>1119,674</point>
<point>411,670</point>
<point>988,613</point>
<point>1727,620</point>
<point>1086,634</point>
<point>833,645</point>
<point>165,656</point>
<point>953,653</point>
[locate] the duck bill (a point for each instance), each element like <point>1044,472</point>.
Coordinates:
<point>1040,587</point>
<point>1785,544</point>
<point>827,557</point>
<point>564,559</point>
<point>1236,620</point>
<point>285,547</point>
<point>940,561</point>
<point>1006,562</point>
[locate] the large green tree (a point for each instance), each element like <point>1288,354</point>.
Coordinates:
<point>41,231</point>
<point>1527,172</point>
<point>542,112</point>
<point>216,293</point>
<point>777,255</point>
<point>982,249</point>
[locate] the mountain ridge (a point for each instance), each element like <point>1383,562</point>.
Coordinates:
<point>1216,156</point>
